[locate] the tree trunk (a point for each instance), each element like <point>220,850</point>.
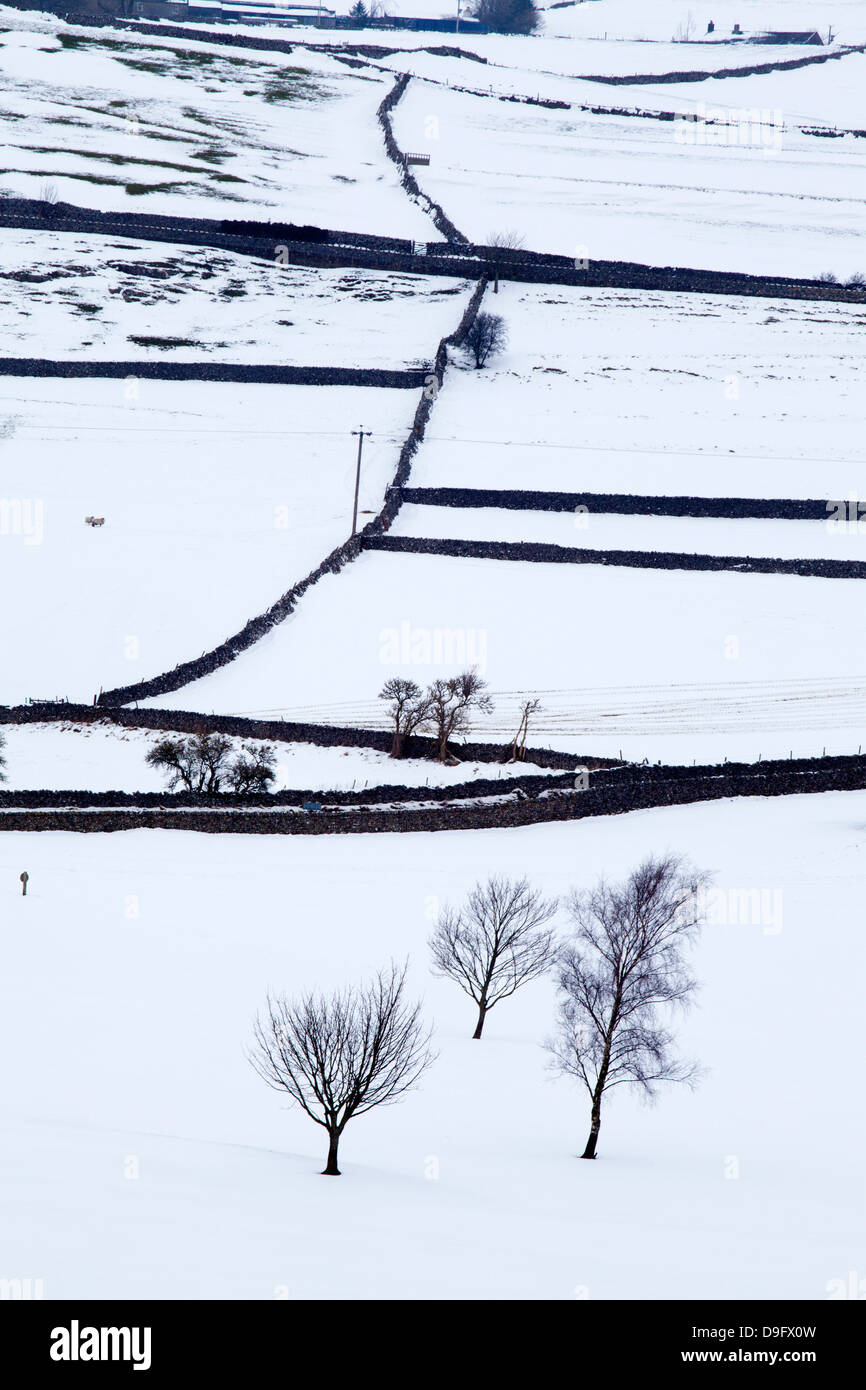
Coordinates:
<point>398,745</point>
<point>594,1127</point>
<point>482,1014</point>
<point>331,1170</point>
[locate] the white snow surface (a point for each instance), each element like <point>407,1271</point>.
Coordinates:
<point>766,201</point>
<point>652,393</point>
<point>67,296</point>
<point>664,664</point>
<point>144,1158</point>
<point>597,530</point>
<point>216,499</point>
<point>107,757</point>
<point>134,123</point>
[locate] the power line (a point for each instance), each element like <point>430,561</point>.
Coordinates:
<point>254,432</point>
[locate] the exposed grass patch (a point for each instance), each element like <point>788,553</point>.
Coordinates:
<point>141,190</point>
<point>118,159</point>
<point>142,65</point>
<point>147,340</point>
<point>214,155</point>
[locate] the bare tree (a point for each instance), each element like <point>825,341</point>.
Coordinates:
<point>340,1055</point>
<point>496,943</point>
<point>623,970</point>
<point>409,709</point>
<point>508,16</point>
<point>253,769</point>
<point>487,336</point>
<point>518,743</point>
<point>197,763</point>
<point>202,763</point>
<point>451,704</point>
<point>509,240</point>
<point>685,30</point>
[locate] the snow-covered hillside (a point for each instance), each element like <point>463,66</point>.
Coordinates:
<point>757,196</point>
<point>66,296</point>
<point>145,1159</point>
<point>104,757</point>
<point>119,122</point>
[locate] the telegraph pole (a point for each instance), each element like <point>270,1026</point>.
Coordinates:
<point>362,434</point>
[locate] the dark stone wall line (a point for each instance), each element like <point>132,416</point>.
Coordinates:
<point>501,815</point>
<point>250,373</point>
<point>633,559</point>
<point>752,70</point>
<point>441,221</point>
<point>624,504</point>
<point>455,259</point>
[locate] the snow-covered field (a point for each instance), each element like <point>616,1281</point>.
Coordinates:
<point>216,498</point>
<point>589,530</point>
<point>106,757</point>
<point>123,122</point>
<point>658,23</point>
<point>143,1157</point>
<point>766,201</point>
<point>72,296</point>
<point>627,391</point>
<point>658,663</point>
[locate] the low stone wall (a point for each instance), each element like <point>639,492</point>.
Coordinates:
<point>254,373</point>
<point>752,70</point>
<point>456,259</point>
<point>623,504</point>
<point>499,815</point>
<point>633,559</point>
<point>441,221</point>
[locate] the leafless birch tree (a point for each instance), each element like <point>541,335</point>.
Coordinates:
<point>621,975</point>
<point>497,942</point>
<point>528,709</point>
<point>340,1055</point>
